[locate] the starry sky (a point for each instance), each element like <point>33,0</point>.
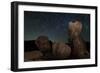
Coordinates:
<point>53,25</point>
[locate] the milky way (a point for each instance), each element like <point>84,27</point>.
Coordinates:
<point>53,25</point>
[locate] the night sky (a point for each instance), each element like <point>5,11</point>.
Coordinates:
<point>53,25</point>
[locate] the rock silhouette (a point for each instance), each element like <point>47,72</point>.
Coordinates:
<point>79,49</point>
<point>61,50</point>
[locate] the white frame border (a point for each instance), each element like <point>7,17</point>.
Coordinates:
<point>22,64</point>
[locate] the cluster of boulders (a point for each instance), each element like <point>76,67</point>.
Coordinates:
<point>59,50</point>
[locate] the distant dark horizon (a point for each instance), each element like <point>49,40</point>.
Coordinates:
<point>53,25</point>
